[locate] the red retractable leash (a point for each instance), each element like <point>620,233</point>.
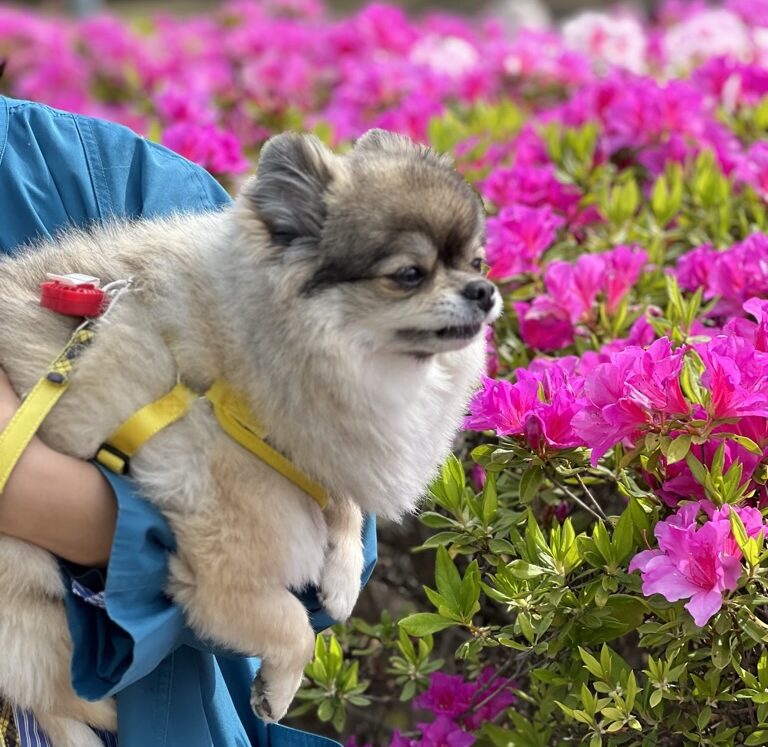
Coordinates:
<point>73,295</point>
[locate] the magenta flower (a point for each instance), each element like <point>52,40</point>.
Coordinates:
<point>518,237</point>
<point>733,276</point>
<point>443,732</point>
<point>623,266</point>
<point>502,406</point>
<point>692,562</point>
<point>629,395</point>
<point>499,690</point>
<point>753,168</point>
<point>447,695</point>
<point>755,332</point>
<point>551,424</point>
<point>478,475</point>
<point>736,376</point>
<point>531,407</point>
<point>544,324</point>
<point>531,185</point>
<point>551,320</point>
<point>215,149</point>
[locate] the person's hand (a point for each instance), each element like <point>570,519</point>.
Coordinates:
<point>60,503</point>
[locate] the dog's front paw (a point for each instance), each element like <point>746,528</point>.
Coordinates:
<point>340,585</point>
<point>270,698</point>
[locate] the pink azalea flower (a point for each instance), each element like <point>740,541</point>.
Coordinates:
<point>518,237</point>
<point>544,324</point>
<point>526,408</point>
<point>502,406</point>
<point>629,395</point>
<point>623,266</point>
<point>215,149</point>
<point>753,168</point>
<point>447,696</point>
<point>443,732</point>
<point>530,185</point>
<point>478,476</point>
<point>736,376</point>
<point>500,692</point>
<point>733,276</point>
<point>691,563</point>
<point>551,424</point>
<point>756,333</point>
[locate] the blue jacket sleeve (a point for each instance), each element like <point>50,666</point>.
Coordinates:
<point>59,170</point>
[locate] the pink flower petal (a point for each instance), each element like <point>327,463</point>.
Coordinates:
<point>704,605</point>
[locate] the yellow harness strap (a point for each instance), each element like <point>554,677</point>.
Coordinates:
<point>234,418</point>
<point>38,403</point>
<point>237,421</point>
<point>141,426</point>
<point>230,409</point>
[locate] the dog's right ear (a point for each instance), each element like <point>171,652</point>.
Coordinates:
<point>288,192</point>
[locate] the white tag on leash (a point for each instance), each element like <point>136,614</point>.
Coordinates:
<point>74,279</point>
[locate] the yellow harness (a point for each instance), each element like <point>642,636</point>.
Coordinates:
<point>230,410</point>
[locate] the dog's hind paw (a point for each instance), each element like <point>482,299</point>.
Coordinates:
<point>259,701</point>
<point>272,693</point>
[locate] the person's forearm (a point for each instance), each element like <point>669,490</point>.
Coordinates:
<point>55,501</point>
<point>60,503</point>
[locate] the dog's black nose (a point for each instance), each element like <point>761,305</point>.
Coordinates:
<point>481,292</point>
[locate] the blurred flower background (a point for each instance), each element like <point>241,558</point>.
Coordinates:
<point>590,568</point>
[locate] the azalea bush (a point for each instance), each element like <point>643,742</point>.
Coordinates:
<point>590,568</point>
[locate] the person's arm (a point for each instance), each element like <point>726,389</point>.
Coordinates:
<point>55,501</point>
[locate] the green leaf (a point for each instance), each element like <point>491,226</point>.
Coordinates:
<point>621,614</point>
<point>470,592</point>
<point>757,738</point>
<point>490,498</point>
<point>448,579</point>
<point>530,483</point>
<point>747,443</point>
<point>623,542</point>
<point>526,627</point>
<point>738,529</point>
<point>325,710</point>
<point>602,541</point>
<point>678,449</point>
<point>424,623</point>
<point>591,663</point>
<point>434,520</point>
<point>524,570</point>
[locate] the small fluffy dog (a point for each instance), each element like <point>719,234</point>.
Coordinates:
<point>343,298</point>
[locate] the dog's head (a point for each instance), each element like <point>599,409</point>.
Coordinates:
<point>385,243</point>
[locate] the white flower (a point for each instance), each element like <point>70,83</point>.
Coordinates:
<point>711,33</point>
<point>608,40</point>
<point>449,55</point>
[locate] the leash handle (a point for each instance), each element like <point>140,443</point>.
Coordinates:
<point>39,402</point>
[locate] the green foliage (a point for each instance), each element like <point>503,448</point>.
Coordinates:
<point>335,684</point>
<point>550,602</point>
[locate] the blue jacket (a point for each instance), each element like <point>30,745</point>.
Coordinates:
<point>59,170</point>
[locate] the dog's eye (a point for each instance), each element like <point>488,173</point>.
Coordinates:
<point>409,277</point>
<point>477,264</point>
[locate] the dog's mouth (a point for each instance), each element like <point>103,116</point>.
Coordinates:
<point>458,332</point>
<point>426,342</point>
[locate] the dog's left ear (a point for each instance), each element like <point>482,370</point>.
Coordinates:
<point>288,192</point>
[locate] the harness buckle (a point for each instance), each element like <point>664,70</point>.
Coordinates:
<point>113,459</point>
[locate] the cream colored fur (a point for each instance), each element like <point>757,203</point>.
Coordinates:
<point>370,424</point>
